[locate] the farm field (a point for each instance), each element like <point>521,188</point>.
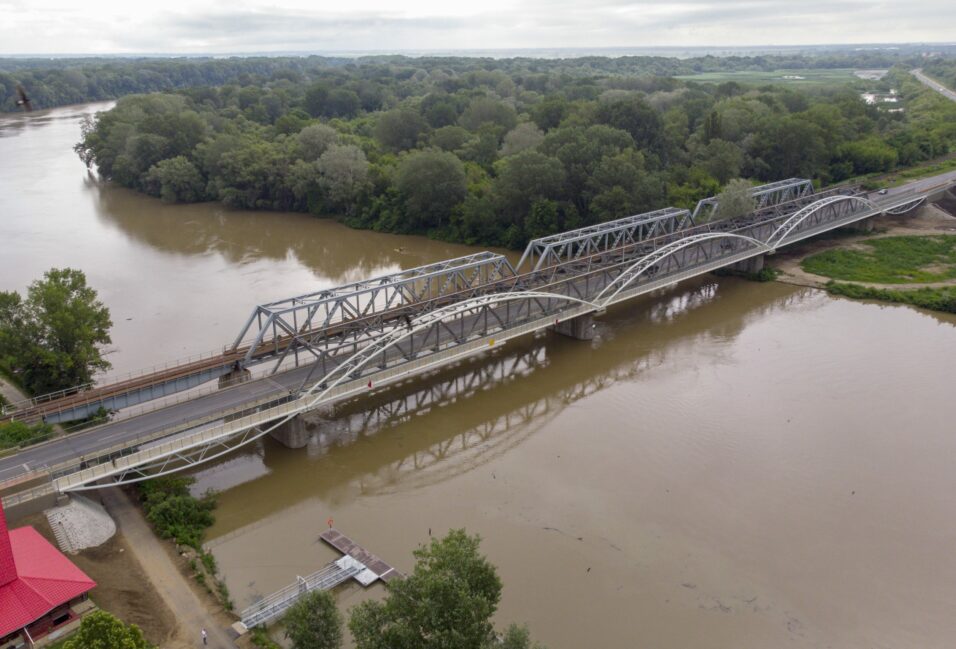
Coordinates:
<point>798,77</point>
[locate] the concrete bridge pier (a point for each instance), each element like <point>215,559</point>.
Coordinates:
<point>865,226</point>
<point>579,328</point>
<point>750,266</point>
<point>235,377</point>
<point>298,431</point>
<point>294,433</point>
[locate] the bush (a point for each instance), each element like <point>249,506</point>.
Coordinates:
<point>100,630</point>
<point>936,299</point>
<point>177,514</point>
<point>17,433</point>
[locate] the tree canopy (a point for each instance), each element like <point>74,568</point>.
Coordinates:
<point>496,152</point>
<point>53,339</point>
<point>100,630</point>
<point>314,622</point>
<point>447,601</point>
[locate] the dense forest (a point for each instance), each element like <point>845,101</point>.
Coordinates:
<point>58,82</point>
<point>497,152</point>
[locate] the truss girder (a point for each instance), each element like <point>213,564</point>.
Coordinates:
<point>558,248</point>
<point>288,327</point>
<point>774,193</point>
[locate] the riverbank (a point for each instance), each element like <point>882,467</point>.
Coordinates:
<point>847,264</point>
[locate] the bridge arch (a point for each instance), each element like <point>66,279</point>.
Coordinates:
<point>180,459</point>
<point>788,226</point>
<point>906,207</point>
<point>643,264</point>
<point>361,358</point>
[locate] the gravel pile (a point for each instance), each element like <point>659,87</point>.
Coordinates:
<point>80,524</point>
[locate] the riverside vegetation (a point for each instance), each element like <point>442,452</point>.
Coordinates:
<point>892,260</point>
<point>498,152</point>
<point>178,515</point>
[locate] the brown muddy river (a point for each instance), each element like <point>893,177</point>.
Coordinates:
<point>728,464</point>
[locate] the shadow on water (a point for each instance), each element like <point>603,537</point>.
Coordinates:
<point>456,420</point>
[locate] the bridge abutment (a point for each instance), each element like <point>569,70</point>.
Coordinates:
<point>579,328</point>
<point>235,377</point>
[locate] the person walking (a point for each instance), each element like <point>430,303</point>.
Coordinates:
<point>205,638</point>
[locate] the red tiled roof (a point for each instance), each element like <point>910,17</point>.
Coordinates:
<point>42,577</point>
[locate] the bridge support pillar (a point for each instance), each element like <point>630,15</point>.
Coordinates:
<point>579,328</point>
<point>235,377</point>
<point>297,432</point>
<point>293,433</point>
<point>750,266</point>
<point>864,226</point>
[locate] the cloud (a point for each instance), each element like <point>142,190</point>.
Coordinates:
<point>215,26</point>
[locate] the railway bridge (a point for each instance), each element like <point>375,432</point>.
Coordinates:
<point>311,351</point>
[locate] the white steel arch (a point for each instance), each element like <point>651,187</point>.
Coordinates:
<point>641,266</point>
<point>788,226</point>
<point>200,453</point>
<point>361,358</point>
<point>906,207</point>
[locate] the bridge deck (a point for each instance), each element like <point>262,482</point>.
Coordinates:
<point>347,546</point>
<point>204,421</point>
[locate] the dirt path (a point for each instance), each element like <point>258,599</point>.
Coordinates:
<point>11,392</point>
<point>189,611</point>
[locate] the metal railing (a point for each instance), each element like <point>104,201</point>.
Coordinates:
<point>277,603</point>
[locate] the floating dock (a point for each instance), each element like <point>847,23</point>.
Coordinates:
<point>348,547</point>
<point>357,563</point>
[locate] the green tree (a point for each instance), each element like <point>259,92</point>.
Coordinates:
<point>432,184</point>
<point>314,622</point>
<point>399,129</point>
<point>51,340</point>
<point>450,138</point>
<point>634,115</point>
<point>525,178</point>
<point>721,159</point>
<point>176,180</point>
<point>100,630</point>
<point>313,140</point>
<point>521,137</point>
<point>344,175</point>
<point>549,112</point>
<point>518,637</point>
<point>735,200</point>
<point>484,110</point>
<point>447,602</point>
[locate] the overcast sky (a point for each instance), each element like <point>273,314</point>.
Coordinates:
<point>196,26</point>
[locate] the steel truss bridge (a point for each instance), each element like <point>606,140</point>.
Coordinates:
<point>313,350</point>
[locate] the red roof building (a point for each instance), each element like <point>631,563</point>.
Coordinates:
<point>38,584</point>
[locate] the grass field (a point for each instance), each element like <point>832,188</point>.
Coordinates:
<point>890,260</point>
<point>759,77</point>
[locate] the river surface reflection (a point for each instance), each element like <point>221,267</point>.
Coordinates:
<point>728,464</point>
<point>179,279</point>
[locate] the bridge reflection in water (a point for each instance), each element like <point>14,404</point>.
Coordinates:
<point>435,428</point>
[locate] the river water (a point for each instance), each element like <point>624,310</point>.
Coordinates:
<point>728,464</point>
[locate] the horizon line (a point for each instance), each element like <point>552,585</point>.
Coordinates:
<point>423,52</point>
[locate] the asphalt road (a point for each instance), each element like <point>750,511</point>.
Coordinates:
<point>935,85</point>
<point>87,443</point>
